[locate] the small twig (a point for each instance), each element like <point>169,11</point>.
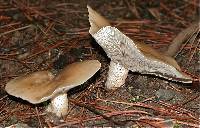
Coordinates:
<point>175,46</point>
<point>40,124</point>
<point>191,99</point>
<point>48,123</point>
<point>3,97</point>
<point>74,121</point>
<point>90,108</point>
<point>9,25</point>
<point>17,29</point>
<point>168,110</point>
<point>188,124</point>
<point>133,8</point>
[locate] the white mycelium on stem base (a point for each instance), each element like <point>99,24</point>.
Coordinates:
<point>58,105</point>
<point>125,54</point>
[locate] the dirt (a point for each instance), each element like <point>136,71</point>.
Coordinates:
<point>58,36</point>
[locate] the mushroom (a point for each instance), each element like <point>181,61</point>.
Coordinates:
<point>126,54</point>
<point>41,86</point>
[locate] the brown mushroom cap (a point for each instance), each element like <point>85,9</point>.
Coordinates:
<point>29,86</point>
<point>71,76</point>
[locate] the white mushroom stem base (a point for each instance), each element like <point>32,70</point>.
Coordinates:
<point>59,105</point>
<point>117,75</point>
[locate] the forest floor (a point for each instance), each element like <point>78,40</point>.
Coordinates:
<point>48,35</point>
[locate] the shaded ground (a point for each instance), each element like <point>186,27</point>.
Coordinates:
<point>48,34</point>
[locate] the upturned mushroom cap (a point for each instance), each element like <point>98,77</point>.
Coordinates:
<point>96,20</point>
<point>152,53</point>
<point>35,92</point>
<point>134,56</point>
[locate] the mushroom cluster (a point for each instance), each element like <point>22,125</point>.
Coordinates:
<point>126,54</point>
<point>42,85</point>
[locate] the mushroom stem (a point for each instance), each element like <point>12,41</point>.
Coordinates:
<point>117,75</point>
<point>59,105</point>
